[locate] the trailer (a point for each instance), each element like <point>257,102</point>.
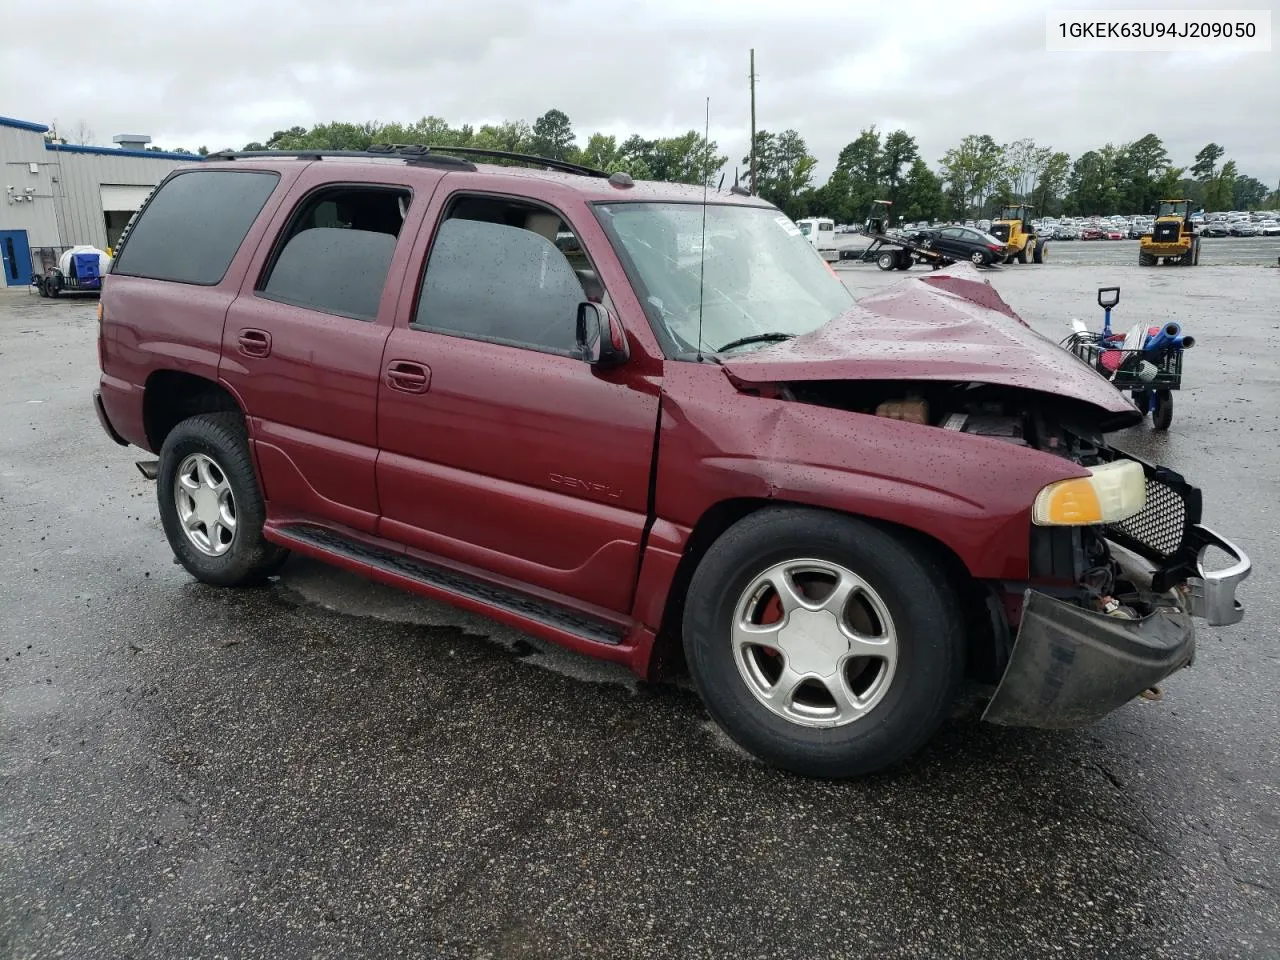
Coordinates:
<point>892,252</point>
<point>68,270</point>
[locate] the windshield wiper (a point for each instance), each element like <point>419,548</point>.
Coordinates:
<point>757,338</point>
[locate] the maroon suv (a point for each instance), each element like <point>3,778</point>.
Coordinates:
<point>655,431</point>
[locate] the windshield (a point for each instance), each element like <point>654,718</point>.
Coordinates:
<point>1174,209</point>
<point>806,228</point>
<point>760,276</point>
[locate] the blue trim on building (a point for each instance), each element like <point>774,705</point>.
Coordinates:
<point>116,152</point>
<point>23,125</point>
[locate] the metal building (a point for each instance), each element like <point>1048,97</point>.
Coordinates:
<point>58,195</point>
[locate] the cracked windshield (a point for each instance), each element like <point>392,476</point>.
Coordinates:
<point>761,281</point>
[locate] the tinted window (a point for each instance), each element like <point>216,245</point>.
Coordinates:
<point>194,224</point>
<point>494,281</point>
<point>336,251</point>
<point>950,233</point>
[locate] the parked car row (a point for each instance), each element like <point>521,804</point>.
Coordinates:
<point>1263,223</point>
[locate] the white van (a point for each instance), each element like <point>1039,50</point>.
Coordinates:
<point>821,232</point>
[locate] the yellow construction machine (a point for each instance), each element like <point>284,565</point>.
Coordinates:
<point>1172,238</point>
<point>1013,229</point>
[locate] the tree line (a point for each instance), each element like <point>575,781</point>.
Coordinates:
<point>972,179</point>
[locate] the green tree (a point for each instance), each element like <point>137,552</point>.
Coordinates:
<point>1138,167</point>
<point>688,158</point>
<point>1051,180</point>
<point>511,136</point>
<point>1170,185</point>
<point>1017,176</point>
<point>1205,167</point>
<point>552,135</point>
<point>856,179</point>
<point>972,169</point>
<point>922,197</point>
<point>784,171</point>
<point>897,155</point>
<point>1220,191</point>
<point>1249,193</point>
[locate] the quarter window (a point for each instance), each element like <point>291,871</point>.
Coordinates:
<point>190,230</point>
<point>506,271</point>
<point>335,253</point>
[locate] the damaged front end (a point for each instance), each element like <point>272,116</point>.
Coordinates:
<point>1108,608</point>
<point>1128,622</point>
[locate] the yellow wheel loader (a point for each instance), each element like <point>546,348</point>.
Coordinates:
<point>1021,243</point>
<point>1172,239</point>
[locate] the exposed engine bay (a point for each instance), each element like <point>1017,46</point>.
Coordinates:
<point>1074,564</point>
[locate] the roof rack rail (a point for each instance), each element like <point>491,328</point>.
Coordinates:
<point>409,152</point>
<point>565,166</point>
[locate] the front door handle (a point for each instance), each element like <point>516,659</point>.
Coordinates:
<point>408,377</point>
<point>255,343</point>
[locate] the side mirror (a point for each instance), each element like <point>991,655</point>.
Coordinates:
<point>1108,297</point>
<point>601,340</point>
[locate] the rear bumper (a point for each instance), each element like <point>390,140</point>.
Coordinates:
<point>1070,666</point>
<point>103,419</point>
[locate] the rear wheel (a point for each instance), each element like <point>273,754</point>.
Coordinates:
<point>1142,400</point>
<point>211,507</point>
<point>886,260</point>
<point>1146,260</point>
<point>1162,414</point>
<point>1041,251</point>
<point>1022,254</point>
<point>40,287</point>
<point>822,644</point>
<point>978,258</point>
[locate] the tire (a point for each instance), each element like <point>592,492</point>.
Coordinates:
<point>1041,251</point>
<point>1022,254</point>
<point>906,699</point>
<point>1142,400</point>
<point>1146,260</point>
<point>40,287</point>
<point>887,260</point>
<point>1195,252</point>
<point>244,557</point>
<point>51,285</point>
<point>978,258</point>
<point>1162,415</point>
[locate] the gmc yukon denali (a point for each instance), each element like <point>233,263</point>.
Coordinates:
<point>653,426</point>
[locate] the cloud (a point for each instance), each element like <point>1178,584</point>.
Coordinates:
<point>228,73</point>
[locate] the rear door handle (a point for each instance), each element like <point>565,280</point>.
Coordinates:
<point>255,343</point>
<point>408,377</point>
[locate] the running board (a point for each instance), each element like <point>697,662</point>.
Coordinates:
<point>460,584</point>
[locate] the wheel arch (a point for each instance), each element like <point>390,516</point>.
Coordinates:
<point>171,396</point>
<point>987,639</point>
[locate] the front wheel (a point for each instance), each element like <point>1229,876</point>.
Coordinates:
<point>211,507</point>
<point>978,258</point>
<point>822,644</point>
<point>1041,251</point>
<point>887,261</point>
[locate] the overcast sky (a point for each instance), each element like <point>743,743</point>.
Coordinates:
<point>223,74</point>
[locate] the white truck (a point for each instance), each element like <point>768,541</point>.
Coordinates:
<point>821,232</point>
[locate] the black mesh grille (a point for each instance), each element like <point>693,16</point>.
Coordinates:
<point>1161,525</point>
<point>1165,233</point>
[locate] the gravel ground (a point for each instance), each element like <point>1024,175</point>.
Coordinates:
<point>324,768</point>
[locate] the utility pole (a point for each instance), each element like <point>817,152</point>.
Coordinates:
<point>753,121</point>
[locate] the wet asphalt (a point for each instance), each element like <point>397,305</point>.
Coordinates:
<point>324,768</point>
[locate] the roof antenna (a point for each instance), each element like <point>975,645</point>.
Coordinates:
<point>702,266</point>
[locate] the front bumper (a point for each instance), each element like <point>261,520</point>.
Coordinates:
<point>1070,666</point>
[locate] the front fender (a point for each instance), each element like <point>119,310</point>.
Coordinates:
<point>973,494</point>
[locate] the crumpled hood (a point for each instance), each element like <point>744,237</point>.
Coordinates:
<point>948,326</point>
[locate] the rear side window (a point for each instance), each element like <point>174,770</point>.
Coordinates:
<point>194,224</point>
<point>336,251</point>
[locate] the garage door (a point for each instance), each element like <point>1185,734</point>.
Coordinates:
<point>117,196</point>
